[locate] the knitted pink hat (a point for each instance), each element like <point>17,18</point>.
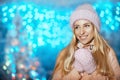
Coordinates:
<point>87,12</point>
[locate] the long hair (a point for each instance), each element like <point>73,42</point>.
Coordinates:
<point>65,58</point>
<point>100,53</point>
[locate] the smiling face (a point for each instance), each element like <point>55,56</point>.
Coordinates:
<point>84,31</point>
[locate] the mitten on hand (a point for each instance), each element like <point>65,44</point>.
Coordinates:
<point>84,61</point>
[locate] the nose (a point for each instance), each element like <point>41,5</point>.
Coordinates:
<point>82,31</point>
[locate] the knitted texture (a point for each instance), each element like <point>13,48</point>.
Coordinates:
<point>84,61</point>
<point>86,12</point>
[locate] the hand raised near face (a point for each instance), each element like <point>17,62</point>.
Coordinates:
<point>84,61</point>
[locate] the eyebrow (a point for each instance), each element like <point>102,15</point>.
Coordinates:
<point>83,24</point>
<point>86,23</point>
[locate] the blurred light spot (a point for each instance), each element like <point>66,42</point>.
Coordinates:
<point>11,50</point>
<point>23,79</point>
<point>117,12</point>
<point>29,20</point>
<point>28,27</point>
<point>14,6</point>
<point>102,14</point>
<point>117,18</point>
<point>30,7</point>
<point>107,22</point>
<point>41,42</point>
<point>24,23</point>
<point>8,72</point>
<point>34,45</point>
<point>44,78</point>
<point>12,15</point>
<point>4,67</point>
<point>13,75</point>
<point>22,7</point>
<point>4,14</point>
<point>33,73</point>
<point>5,19</point>
<point>35,10</point>
<point>7,63</point>
<point>4,8</point>
<point>40,16</point>
<point>20,75</point>
<point>11,10</point>
<point>107,11</point>
<point>118,8</point>
<point>112,27</point>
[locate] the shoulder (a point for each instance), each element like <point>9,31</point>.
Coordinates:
<point>61,55</point>
<point>111,52</point>
<point>63,52</point>
<point>112,55</point>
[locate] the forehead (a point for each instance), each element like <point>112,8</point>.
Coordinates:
<point>82,21</point>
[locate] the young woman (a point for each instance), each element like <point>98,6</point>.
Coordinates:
<point>88,56</point>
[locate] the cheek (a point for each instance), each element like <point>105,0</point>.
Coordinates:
<point>91,34</point>
<point>90,31</point>
<point>76,33</point>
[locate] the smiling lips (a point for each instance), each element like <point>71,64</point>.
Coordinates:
<point>83,37</point>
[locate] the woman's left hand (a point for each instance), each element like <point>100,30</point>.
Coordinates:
<point>93,76</point>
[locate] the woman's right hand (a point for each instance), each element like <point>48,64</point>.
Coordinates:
<point>73,75</point>
<point>57,76</point>
<point>94,76</point>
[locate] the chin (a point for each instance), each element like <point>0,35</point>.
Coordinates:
<point>84,42</point>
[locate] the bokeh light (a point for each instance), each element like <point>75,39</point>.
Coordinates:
<point>36,34</point>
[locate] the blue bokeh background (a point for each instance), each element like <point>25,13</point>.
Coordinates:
<point>33,33</point>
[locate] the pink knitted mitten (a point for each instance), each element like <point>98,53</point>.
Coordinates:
<point>84,61</point>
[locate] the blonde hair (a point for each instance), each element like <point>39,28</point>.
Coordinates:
<point>100,53</point>
<point>65,58</point>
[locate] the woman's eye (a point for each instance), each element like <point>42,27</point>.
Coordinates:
<point>76,27</point>
<point>87,25</point>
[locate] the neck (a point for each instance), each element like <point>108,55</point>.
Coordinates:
<point>80,45</point>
